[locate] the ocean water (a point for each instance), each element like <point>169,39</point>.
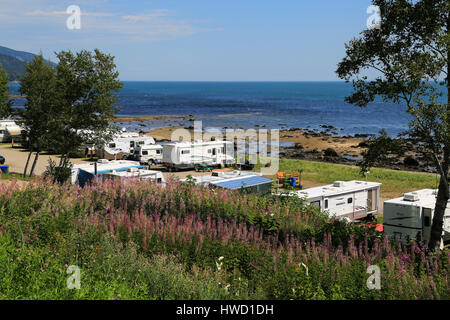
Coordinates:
<point>281,105</point>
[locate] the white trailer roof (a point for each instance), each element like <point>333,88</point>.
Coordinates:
<point>224,176</point>
<point>135,173</point>
<point>339,187</point>
<point>107,166</point>
<point>422,198</point>
<point>196,143</point>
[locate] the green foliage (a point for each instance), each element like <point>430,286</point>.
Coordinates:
<point>87,88</point>
<point>5,103</point>
<point>59,174</point>
<point>135,240</point>
<point>378,150</point>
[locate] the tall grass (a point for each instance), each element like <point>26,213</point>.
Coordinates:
<point>139,240</point>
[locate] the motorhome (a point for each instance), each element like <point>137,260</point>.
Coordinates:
<point>9,131</point>
<point>410,217</point>
<point>188,155</point>
<point>143,174</point>
<point>86,172</point>
<point>251,182</point>
<point>353,200</point>
<point>148,154</point>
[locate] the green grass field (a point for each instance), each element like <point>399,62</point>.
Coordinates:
<point>394,183</point>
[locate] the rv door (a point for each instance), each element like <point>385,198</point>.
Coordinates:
<point>426,223</point>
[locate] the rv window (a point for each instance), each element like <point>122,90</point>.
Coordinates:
<point>185,152</point>
<point>131,144</point>
<point>326,204</point>
<point>112,145</point>
<point>141,142</point>
<point>350,200</point>
<point>158,151</point>
<point>427,221</point>
<point>145,153</point>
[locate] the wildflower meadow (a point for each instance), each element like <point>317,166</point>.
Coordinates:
<point>139,240</point>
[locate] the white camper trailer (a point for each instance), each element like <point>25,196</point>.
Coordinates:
<point>143,174</point>
<point>188,155</point>
<point>124,145</point>
<point>148,154</point>
<point>411,217</point>
<point>353,200</point>
<point>9,130</point>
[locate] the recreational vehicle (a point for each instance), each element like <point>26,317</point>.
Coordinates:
<point>143,174</point>
<point>86,172</point>
<point>353,200</point>
<point>124,145</point>
<point>9,131</point>
<point>411,217</point>
<point>251,182</point>
<point>188,155</point>
<point>148,154</point>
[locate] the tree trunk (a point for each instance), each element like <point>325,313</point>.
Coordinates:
<point>443,194</point>
<point>26,165</point>
<point>34,163</point>
<point>439,212</point>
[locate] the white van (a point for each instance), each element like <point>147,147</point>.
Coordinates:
<point>148,154</point>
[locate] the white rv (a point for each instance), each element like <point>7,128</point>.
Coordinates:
<point>353,200</point>
<point>188,155</point>
<point>411,217</point>
<point>9,130</point>
<point>124,145</point>
<point>143,174</point>
<point>148,154</point>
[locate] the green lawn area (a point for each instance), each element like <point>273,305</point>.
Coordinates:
<point>13,175</point>
<point>395,183</point>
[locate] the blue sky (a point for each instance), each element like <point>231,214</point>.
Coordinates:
<point>195,40</point>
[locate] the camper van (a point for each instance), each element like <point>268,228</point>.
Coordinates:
<point>353,200</point>
<point>148,154</point>
<point>411,217</point>
<point>9,130</point>
<point>188,155</point>
<point>143,174</point>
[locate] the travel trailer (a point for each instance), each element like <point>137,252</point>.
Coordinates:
<point>148,154</point>
<point>9,130</point>
<point>411,217</point>
<point>188,155</point>
<point>353,200</point>
<point>143,174</point>
<point>124,145</point>
<point>86,172</point>
<point>251,182</point>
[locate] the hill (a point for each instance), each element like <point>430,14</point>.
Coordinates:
<point>14,62</point>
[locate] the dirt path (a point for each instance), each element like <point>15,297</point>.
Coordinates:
<point>16,159</point>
